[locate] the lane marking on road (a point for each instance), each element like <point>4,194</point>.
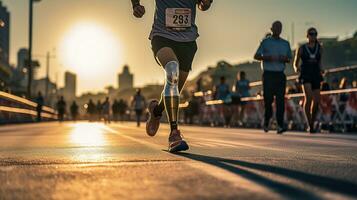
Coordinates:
<point>203,141</point>
<point>219,173</point>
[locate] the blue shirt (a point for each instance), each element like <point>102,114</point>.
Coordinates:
<point>159,27</point>
<point>274,47</point>
<point>242,88</point>
<point>222,91</point>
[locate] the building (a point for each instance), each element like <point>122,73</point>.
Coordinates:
<point>22,56</point>
<point>70,86</point>
<point>5,74</point>
<point>40,86</point>
<point>70,81</point>
<point>5,69</point>
<point>4,34</point>
<point>125,79</point>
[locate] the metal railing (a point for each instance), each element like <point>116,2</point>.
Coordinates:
<point>17,109</point>
<point>289,78</point>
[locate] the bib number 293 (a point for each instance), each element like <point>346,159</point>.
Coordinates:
<point>178,19</point>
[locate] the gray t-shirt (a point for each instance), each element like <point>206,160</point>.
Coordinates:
<point>160,28</point>
<point>274,47</point>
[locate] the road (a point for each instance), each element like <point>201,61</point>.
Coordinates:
<point>118,161</point>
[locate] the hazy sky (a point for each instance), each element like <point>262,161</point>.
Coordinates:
<point>231,30</point>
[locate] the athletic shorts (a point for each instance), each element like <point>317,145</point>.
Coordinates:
<point>314,80</point>
<point>184,51</point>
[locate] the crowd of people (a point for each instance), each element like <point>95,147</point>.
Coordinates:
<point>106,111</point>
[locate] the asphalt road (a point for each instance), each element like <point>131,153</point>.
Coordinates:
<point>118,161</point>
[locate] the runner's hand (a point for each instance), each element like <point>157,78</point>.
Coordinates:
<point>205,4</point>
<point>139,11</point>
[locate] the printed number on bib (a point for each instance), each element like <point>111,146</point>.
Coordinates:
<point>178,19</point>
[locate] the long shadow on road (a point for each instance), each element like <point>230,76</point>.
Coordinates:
<point>330,184</point>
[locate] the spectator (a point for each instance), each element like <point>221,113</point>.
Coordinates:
<point>139,104</point>
<point>40,102</point>
<point>193,109</point>
<point>61,108</point>
<point>74,111</point>
<point>122,108</point>
<point>106,110</point>
<point>91,110</point>
<point>115,110</point>
<point>223,93</point>
<point>242,90</point>
<point>99,110</point>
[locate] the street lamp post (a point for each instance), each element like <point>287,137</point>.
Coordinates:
<point>31,2</point>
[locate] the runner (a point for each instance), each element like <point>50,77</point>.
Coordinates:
<point>310,75</point>
<point>106,110</point>
<point>61,108</point>
<point>173,39</point>
<point>242,90</point>
<point>274,52</point>
<point>223,93</point>
<point>139,104</point>
<point>74,111</point>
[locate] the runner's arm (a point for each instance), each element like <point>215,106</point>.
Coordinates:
<point>297,60</point>
<point>204,4</point>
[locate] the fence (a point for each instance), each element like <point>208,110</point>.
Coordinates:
<point>338,109</point>
<point>14,109</point>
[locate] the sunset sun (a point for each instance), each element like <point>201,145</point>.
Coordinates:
<point>90,50</point>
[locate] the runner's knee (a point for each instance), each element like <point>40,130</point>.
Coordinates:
<point>172,76</point>
<point>166,55</point>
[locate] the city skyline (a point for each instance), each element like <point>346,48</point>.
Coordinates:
<point>55,20</point>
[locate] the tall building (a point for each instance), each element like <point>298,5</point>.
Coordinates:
<point>70,86</point>
<point>40,86</point>
<point>125,79</point>
<point>4,34</point>
<point>22,56</point>
<point>5,70</point>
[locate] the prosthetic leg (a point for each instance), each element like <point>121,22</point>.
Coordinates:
<point>171,93</point>
<point>171,100</point>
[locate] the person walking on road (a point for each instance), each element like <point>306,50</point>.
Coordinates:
<point>122,108</point>
<point>242,90</point>
<point>91,110</point>
<point>223,93</point>
<point>99,110</point>
<point>106,110</point>
<point>115,110</point>
<point>274,52</point>
<point>139,104</point>
<point>310,55</point>
<point>173,39</point>
<point>40,102</point>
<point>61,108</point>
<point>74,111</point>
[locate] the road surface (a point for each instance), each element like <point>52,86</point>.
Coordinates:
<point>118,161</point>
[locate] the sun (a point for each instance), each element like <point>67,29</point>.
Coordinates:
<point>90,50</point>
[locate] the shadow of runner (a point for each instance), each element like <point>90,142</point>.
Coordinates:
<point>286,191</point>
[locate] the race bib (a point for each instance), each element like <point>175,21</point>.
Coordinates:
<point>178,19</point>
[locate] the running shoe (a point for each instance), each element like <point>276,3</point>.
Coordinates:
<point>266,128</point>
<point>176,142</point>
<point>280,130</point>
<point>153,123</point>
